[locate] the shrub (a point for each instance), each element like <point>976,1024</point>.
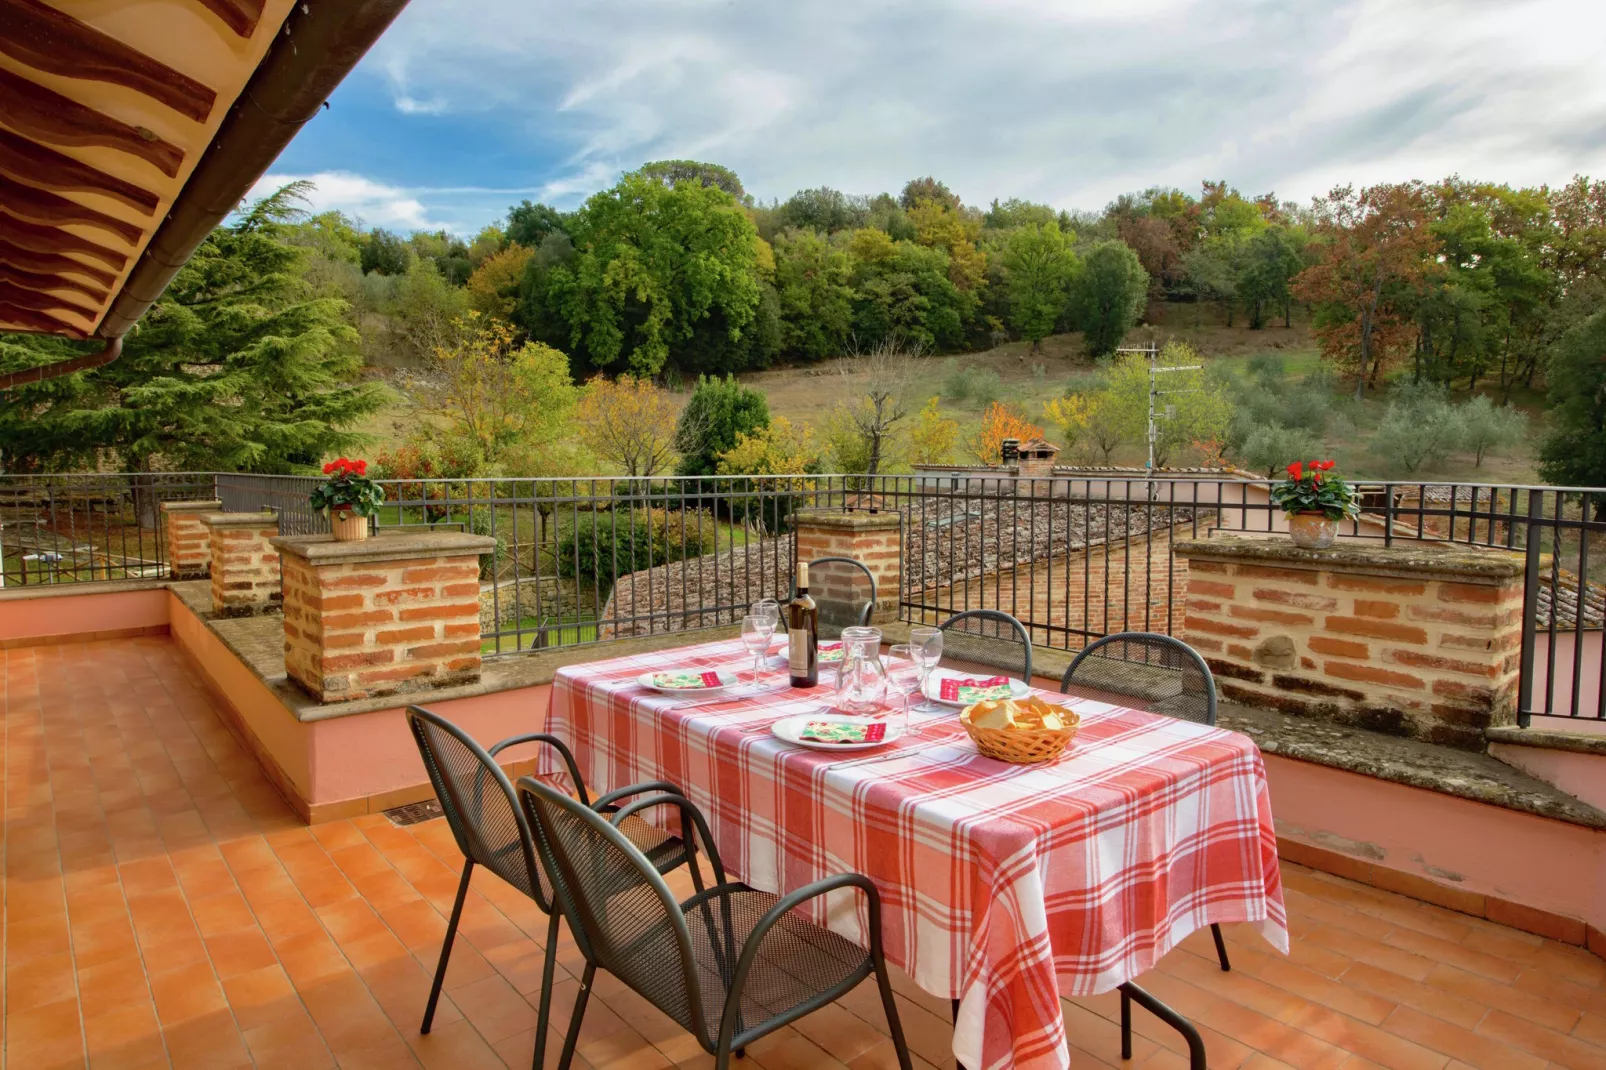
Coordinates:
<point>718,412</point>
<point>1271,447</point>
<point>1489,428</point>
<point>1419,427</point>
<point>607,545</point>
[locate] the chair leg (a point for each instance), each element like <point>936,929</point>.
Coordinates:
<point>543,1017</point>
<point>1221,948</point>
<point>573,1036</point>
<point>1196,1048</point>
<point>888,1004</point>
<point>446,946</point>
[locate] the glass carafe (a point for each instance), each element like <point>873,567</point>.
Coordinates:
<point>861,679</point>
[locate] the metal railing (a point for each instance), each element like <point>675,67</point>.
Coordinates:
<point>86,527</point>
<point>1073,557</point>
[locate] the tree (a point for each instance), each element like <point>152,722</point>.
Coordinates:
<point>385,253</point>
<point>424,313</point>
<point>927,191</point>
<point>1041,271</point>
<point>1574,451</point>
<point>493,289</point>
<point>683,172</point>
<point>933,435</point>
<point>939,226</point>
<point>1194,406</point>
<point>628,423</point>
<point>824,209</point>
<point>1267,264</point>
<point>511,402</point>
<point>1375,250</point>
<point>998,423</point>
<point>814,285</point>
<point>1108,296</point>
<point>1487,427</point>
<point>530,224</point>
<point>238,366</point>
<point>1270,448</point>
<point>1419,427</point>
<point>718,411</point>
<point>779,449</point>
<point>875,387</point>
<point>653,265</point>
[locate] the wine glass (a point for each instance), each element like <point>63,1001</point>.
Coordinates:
<point>756,633</point>
<point>904,675</point>
<point>925,642</point>
<point>769,609</point>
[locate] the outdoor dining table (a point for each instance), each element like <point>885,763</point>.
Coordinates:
<point>1002,886</point>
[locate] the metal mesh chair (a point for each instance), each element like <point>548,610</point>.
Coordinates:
<point>844,591</point>
<point>989,639</point>
<point>483,813</point>
<point>1168,677</point>
<point>1167,674</point>
<point>730,965</point>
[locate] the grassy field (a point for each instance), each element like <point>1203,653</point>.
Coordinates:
<point>1026,380</point>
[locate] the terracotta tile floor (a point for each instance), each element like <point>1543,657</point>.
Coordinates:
<point>163,908</point>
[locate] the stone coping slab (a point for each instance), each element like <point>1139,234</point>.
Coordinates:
<point>1549,739</point>
<point>239,520</point>
<point>1417,560</point>
<point>858,520</point>
<point>327,550</point>
<point>193,506</point>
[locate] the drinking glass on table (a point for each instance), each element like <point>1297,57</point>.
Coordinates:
<point>925,642</point>
<point>904,676</point>
<point>756,633</point>
<point>769,609</point>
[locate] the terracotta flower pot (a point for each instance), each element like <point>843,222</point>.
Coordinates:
<point>1312,531</point>
<point>348,525</point>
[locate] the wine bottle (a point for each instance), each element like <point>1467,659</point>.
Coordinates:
<point>803,633</point>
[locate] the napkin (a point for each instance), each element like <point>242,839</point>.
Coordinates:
<point>968,690</point>
<point>683,679</point>
<point>830,652</point>
<point>842,732</point>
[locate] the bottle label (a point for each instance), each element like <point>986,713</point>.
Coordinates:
<point>797,654</point>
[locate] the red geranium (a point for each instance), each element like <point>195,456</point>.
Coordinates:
<point>342,467</point>
<point>1295,471</point>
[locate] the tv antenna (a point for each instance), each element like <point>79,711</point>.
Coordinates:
<point>1168,411</point>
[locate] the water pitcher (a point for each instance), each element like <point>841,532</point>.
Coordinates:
<point>861,679</point>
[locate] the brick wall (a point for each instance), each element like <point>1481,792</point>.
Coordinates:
<point>388,614</point>
<point>873,539</point>
<point>189,546</point>
<point>244,566</point>
<point>1421,643</point>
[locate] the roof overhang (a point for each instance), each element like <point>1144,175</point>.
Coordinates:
<point>130,128</point>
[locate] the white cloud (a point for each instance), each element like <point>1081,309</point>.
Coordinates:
<point>373,202</point>
<point>1068,101</point>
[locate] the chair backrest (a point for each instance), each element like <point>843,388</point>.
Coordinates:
<point>987,638</point>
<point>845,592</point>
<point>1167,674</point>
<point>624,917</point>
<point>478,801</point>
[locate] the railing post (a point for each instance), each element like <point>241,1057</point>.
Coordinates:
<point>1530,607</point>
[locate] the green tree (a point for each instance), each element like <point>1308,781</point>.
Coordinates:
<point>652,263</point>
<point>824,209</point>
<point>1267,264</point>
<point>1108,296</point>
<point>683,172</point>
<point>1420,427</point>
<point>1574,451</point>
<point>528,224</point>
<point>718,412</point>
<point>1487,428</point>
<point>927,191</point>
<point>1041,270</point>
<point>1194,410</point>
<point>814,284</point>
<point>239,366</point>
<point>385,253</point>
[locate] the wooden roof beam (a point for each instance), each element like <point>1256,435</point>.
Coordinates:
<point>46,281</point>
<point>48,116</point>
<point>34,205</point>
<point>32,163</point>
<point>53,263</point>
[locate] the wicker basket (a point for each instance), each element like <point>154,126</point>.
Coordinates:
<point>1022,746</point>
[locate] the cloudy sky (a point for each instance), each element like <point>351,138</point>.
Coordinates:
<point>467,106</point>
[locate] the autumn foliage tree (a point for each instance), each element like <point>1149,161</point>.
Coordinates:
<point>629,423</point>
<point>998,423</point>
<point>1375,249</point>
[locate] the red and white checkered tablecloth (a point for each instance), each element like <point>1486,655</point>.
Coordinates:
<point>1002,885</point>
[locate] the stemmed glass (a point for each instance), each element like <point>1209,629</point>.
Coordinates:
<point>769,609</point>
<point>756,633</point>
<point>904,675</point>
<point>925,642</point>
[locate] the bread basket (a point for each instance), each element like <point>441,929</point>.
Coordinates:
<point>1023,744</point>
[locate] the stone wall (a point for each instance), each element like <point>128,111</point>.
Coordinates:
<point>244,565</point>
<point>189,546</point>
<point>1420,643</point>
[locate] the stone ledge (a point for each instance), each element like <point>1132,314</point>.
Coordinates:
<point>23,592</point>
<point>239,520</point>
<point>326,550</point>
<point>1416,561</point>
<point>1549,739</point>
<point>859,520</point>
<point>1464,774</point>
<point>198,505</point>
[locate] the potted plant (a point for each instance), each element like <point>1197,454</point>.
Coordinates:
<point>1315,501</point>
<point>348,497</point>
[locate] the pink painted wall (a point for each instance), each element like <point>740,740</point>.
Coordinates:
<point>1580,775</point>
<point>1561,691</point>
<point>64,616</point>
<point>1550,865</point>
<point>372,753</point>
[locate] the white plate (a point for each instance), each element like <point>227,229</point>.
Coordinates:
<point>726,679</point>
<point>1018,688</point>
<point>788,728</point>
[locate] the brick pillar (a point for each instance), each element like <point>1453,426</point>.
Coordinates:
<point>375,616</point>
<point>244,568</point>
<point>189,547</point>
<point>873,539</point>
<point>1413,640</point>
